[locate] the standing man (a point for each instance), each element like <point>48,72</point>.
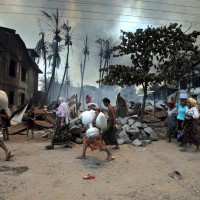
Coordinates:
<point>109,135</point>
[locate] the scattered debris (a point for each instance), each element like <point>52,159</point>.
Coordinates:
<point>17,128</point>
<point>89,177</point>
<point>161,114</point>
<point>43,123</point>
<point>121,107</point>
<point>48,133</point>
<point>150,119</point>
<point>176,174</point>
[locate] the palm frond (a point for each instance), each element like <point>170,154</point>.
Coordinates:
<point>47,15</point>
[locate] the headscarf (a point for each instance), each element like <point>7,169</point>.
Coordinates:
<point>194,103</point>
<point>65,105</point>
<point>91,102</point>
<point>90,98</point>
<point>62,99</point>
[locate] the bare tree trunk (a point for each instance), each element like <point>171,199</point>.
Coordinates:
<point>100,66</point>
<point>145,85</point>
<point>83,79</point>
<point>55,56</point>
<point>45,76</point>
<point>83,71</point>
<point>80,95</point>
<point>66,71</point>
<point>50,95</point>
<point>67,85</point>
<point>104,67</point>
<point>52,79</point>
<point>45,68</point>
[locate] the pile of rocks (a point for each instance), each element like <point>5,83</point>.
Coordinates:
<point>129,131</point>
<point>133,132</point>
<point>77,132</point>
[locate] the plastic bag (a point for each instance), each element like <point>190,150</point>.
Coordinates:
<point>101,121</point>
<point>92,133</point>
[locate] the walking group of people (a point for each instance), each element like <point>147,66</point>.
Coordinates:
<point>182,121</point>
<point>107,137</point>
<point>61,131</point>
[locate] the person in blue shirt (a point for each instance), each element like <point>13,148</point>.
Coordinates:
<point>182,106</point>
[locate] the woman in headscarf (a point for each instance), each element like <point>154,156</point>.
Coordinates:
<point>90,101</point>
<point>190,132</point>
<point>62,121</point>
<point>171,119</point>
<point>63,112</point>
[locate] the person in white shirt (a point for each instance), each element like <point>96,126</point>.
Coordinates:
<point>61,133</point>
<point>190,132</point>
<point>171,119</point>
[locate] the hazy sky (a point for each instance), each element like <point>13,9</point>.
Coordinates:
<point>121,14</point>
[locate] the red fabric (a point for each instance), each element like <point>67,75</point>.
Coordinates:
<point>89,97</point>
<point>4,116</point>
<point>95,143</point>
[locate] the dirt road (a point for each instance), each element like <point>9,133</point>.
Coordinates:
<point>139,173</point>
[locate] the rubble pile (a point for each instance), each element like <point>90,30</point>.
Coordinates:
<point>77,131</point>
<point>133,132</point>
<point>129,131</point>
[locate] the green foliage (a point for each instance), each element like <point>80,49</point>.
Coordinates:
<point>154,52</point>
<point>157,54</point>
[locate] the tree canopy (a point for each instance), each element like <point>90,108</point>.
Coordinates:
<point>153,52</point>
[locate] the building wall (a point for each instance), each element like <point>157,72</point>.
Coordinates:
<point>13,53</point>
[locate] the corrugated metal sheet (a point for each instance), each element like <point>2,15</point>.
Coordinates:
<point>17,128</point>
<point>43,123</point>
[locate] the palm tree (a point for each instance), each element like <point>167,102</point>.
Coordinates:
<point>54,22</point>
<point>68,43</point>
<point>82,67</point>
<point>42,49</point>
<point>54,51</point>
<point>104,54</point>
<point>100,41</point>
